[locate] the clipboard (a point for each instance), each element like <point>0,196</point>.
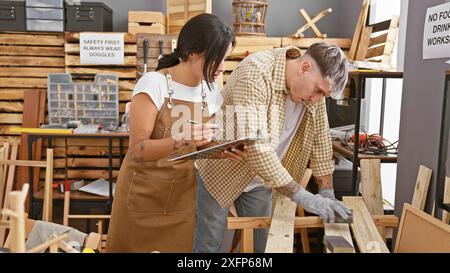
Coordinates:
<point>211,152</point>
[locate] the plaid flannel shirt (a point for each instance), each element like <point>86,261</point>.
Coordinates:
<point>259,83</point>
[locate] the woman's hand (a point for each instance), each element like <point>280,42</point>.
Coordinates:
<point>199,135</point>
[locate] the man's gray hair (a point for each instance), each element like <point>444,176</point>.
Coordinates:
<point>333,64</point>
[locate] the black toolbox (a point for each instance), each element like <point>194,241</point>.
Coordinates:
<point>89,16</point>
<point>12,16</point>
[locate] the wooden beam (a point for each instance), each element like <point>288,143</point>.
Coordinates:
<point>366,234</point>
<point>48,189</point>
<point>363,45</point>
<point>362,19</point>
<point>339,230</point>
<point>390,221</point>
<point>281,233</point>
<point>421,188</point>
<point>371,188</point>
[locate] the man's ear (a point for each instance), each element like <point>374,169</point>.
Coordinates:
<point>305,67</point>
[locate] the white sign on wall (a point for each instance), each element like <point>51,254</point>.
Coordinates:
<point>101,48</point>
<point>436,39</point>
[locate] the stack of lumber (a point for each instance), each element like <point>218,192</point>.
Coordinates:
<point>180,11</point>
<point>244,47</point>
<point>146,22</point>
<point>25,61</point>
<point>248,45</point>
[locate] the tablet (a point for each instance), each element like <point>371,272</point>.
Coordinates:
<point>214,151</point>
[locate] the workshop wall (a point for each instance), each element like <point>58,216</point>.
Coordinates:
<point>282,19</point>
<point>423,89</point>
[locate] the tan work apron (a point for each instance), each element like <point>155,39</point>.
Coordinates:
<point>154,201</point>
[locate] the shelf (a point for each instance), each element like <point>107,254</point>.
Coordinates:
<point>74,195</point>
<point>337,146</point>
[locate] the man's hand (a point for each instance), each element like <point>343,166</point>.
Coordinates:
<point>327,193</point>
<point>324,207</point>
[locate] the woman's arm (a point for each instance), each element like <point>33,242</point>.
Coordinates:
<point>143,114</point>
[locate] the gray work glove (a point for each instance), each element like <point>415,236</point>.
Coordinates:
<point>324,207</point>
<point>327,193</point>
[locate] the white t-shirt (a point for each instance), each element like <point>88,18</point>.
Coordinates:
<point>294,113</point>
<point>155,85</point>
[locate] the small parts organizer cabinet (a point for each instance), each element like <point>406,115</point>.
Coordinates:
<point>45,15</point>
<point>90,103</point>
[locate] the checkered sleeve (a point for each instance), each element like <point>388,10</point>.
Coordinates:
<point>251,94</point>
<point>322,152</point>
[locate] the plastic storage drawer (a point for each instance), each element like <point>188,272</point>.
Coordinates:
<point>45,25</point>
<point>45,13</point>
<point>45,3</point>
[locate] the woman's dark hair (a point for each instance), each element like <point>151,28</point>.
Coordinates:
<point>204,33</point>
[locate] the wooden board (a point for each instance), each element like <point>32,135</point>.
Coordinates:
<point>371,186</point>
<point>339,230</point>
<point>419,232</point>
<point>366,234</point>
<point>421,188</point>
<point>281,232</point>
<point>146,17</point>
<point>180,11</point>
<point>304,43</point>
<point>361,23</point>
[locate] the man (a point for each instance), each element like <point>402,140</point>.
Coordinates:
<point>291,90</point>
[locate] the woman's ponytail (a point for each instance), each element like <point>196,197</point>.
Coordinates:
<point>169,60</point>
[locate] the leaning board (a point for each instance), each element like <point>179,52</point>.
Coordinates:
<point>420,232</point>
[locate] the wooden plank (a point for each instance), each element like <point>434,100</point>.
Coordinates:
<point>154,28</point>
<point>8,185</point>
<point>85,162</point>
<point>125,95</point>
<point>146,17</point>
<point>339,230</point>
<point>301,222</point>
<point>28,71</point>
<point>32,39</point>
<point>32,50</point>
<point>11,107</point>
<point>11,118</point>
<point>75,37</point>
<point>231,65</point>
<point>26,163</point>
<point>307,42</point>
<point>281,233</point>
<point>421,189</point>
<point>74,60</point>
<point>364,42</point>
<point>11,94</point>
<point>85,151</point>
<point>420,232</point>
<point>23,82</point>
<point>251,41</point>
<point>69,48</point>
<point>247,240</point>
<point>362,19</point>
<point>47,210</point>
<point>380,39</point>
<point>366,234</point>
<point>375,51</point>
<point>5,129</point>
<point>371,186</point>
<point>446,214</point>
<point>119,71</point>
<point>32,61</point>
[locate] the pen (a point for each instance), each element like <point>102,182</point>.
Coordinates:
<point>196,122</point>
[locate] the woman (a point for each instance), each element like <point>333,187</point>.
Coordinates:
<point>154,202</point>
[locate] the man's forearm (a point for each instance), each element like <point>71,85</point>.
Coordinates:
<point>290,189</point>
<point>324,182</point>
